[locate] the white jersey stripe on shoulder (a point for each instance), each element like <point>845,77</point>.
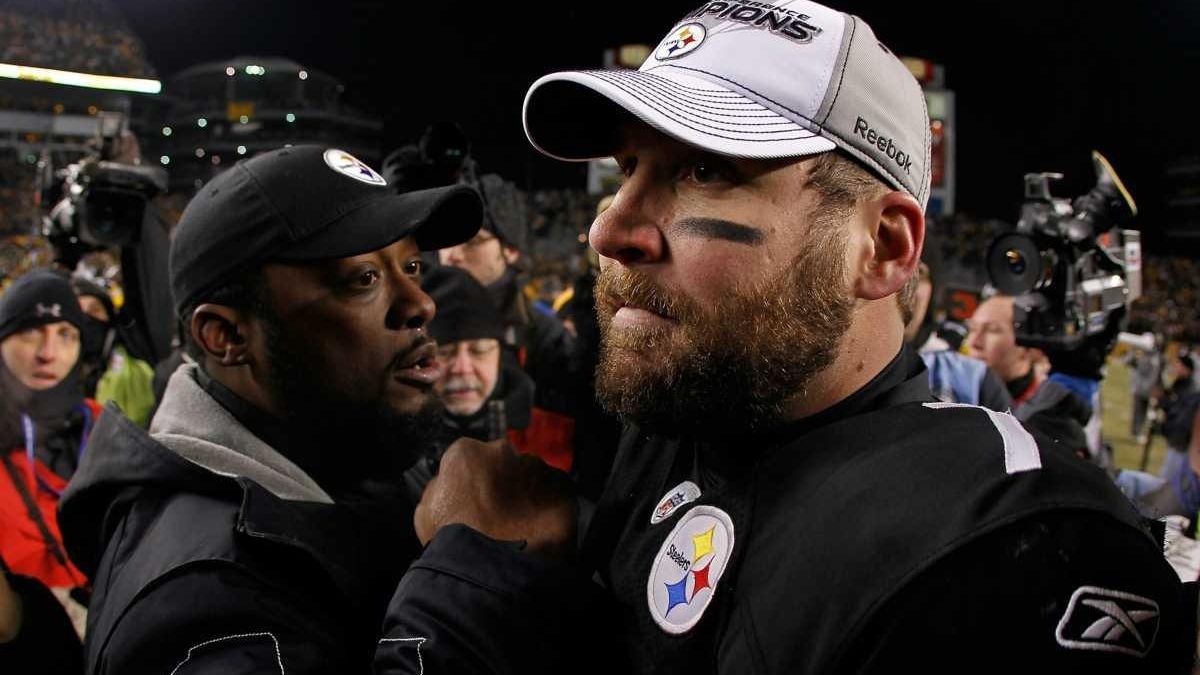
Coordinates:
<point>1020,450</point>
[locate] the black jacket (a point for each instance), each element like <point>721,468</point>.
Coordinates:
<point>888,534</point>
<point>198,572</point>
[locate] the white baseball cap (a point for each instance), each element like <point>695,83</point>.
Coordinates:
<point>755,80</point>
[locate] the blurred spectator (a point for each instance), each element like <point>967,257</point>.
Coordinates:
<point>1145,376</point>
<point>1179,404</point>
<point>110,372</point>
<point>47,422</point>
<point>952,377</point>
<point>1048,408</point>
<point>486,399</point>
<point>533,341</point>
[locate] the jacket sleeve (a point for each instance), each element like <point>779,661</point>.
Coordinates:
<point>234,622</point>
<point>1059,593</point>
<point>473,605</point>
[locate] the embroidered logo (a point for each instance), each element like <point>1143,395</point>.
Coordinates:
<point>684,493</point>
<point>1098,619</point>
<point>54,310</point>
<point>684,575</point>
<point>684,40</point>
<point>349,165</point>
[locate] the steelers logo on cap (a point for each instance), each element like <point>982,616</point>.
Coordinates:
<point>687,38</point>
<point>349,165</point>
<point>689,565</point>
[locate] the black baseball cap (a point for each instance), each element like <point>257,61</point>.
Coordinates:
<point>306,202</point>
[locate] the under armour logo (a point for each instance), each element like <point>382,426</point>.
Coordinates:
<point>54,310</point>
<point>1098,619</point>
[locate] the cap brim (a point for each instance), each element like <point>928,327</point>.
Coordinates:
<point>438,218</point>
<point>578,115</point>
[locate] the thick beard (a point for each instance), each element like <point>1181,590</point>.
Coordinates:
<point>731,368</point>
<point>349,440</point>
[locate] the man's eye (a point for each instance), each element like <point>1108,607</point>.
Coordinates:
<point>415,267</point>
<point>704,174</point>
<point>366,279</point>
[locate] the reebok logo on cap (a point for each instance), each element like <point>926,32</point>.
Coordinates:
<point>885,144</point>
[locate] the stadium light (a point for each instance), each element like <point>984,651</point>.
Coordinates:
<point>255,70</point>
<point>304,74</point>
<point>244,119</point>
<point>165,160</point>
<point>241,149</point>
<point>230,71</point>
<point>291,117</point>
<point>141,86</point>
<point>167,131</point>
<point>199,153</point>
<point>201,122</point>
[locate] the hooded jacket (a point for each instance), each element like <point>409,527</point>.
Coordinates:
<point>211,552</point>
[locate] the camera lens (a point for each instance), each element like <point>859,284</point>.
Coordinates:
<point>1014,263</point>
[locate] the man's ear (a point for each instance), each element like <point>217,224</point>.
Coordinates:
<point>511,255</point>
<point>220,331</point>
<point>897,232</point>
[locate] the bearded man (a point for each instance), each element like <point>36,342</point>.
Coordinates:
<point>788,497</point>
<point>260,526</point>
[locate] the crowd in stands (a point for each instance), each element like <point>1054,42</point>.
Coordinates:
<point>1170,302</point>
<point>18,211</point>
<point>78,36</point>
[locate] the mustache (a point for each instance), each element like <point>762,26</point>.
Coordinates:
<point>618,286</point>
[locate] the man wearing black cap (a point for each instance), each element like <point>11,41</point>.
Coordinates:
<point>259,526</point>
<point>532,340</point>
<point>486,398</point>
<point>788,496</point>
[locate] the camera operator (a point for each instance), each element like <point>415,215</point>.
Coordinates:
<point>1041,403</point>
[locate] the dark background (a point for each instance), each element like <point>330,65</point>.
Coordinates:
<point>1038,84</point>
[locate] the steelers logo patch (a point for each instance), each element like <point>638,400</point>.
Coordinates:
<point>349,165</point>
<point>689,565</point>
<point>686,39</point>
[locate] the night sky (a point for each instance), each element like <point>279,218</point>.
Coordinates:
<point>1038,84</point>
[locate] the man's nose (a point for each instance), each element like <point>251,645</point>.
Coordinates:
<point>48,348</point>
<point>630,231</point>
<point>460,363</point>
<point>412,308</point>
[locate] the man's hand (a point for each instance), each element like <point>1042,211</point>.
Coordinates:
<point>503,495</point>
<point>10,611</point>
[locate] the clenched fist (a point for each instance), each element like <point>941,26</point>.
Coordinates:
<point>501,494</point>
